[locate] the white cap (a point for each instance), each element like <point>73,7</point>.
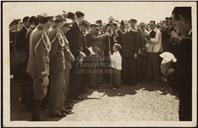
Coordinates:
<point>167,57</point>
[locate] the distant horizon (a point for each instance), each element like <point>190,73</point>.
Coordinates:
<point>142,11</point>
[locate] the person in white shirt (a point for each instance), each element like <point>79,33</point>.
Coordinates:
<point>116,66</point>
<point>154,49</point>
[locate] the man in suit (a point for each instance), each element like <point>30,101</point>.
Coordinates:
<point>22,48</point>
<point>92,43</point>
<point>183,22</point>
<point>154,49</point>
<point>69,58</point>
<point>38,63</point>
<point>166,35</point>
<point>130,50</point>
<point>29,86</point>
<point>75,38</point>
<point>33,23</point>
<point>141,63</point>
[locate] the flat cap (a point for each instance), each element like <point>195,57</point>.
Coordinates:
<point>133,21</point>
<point>59,18</point>
<point>84,23</point>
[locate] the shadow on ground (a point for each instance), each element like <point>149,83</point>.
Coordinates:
<point>20,112</point>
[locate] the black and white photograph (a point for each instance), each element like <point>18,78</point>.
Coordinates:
<point>99,64</point>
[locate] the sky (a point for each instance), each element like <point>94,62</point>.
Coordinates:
<point>142,11</point>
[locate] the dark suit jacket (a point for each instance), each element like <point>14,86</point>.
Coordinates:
<point>184,67</point>
<point>141,41</point>
<point>22,45</point>
<point>21,42</point>
<point>130,43</point>
<point>74,37</point>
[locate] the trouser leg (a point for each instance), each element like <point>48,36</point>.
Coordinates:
<point>67,73</point>
<point>56,91</point>
<point>39,93</point>
<point>116,78</point>
<point>156,66</point>
<point>36,110</point>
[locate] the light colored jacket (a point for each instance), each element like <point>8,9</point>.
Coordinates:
<point>57,56</point>
<point>155,44</point>
<point>38,63</point>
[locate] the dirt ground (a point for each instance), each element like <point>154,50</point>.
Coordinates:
<point>142,102</point>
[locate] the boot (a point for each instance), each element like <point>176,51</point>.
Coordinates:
<point>36,111</point>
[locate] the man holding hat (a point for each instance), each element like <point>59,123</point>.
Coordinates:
<point>38,63</point>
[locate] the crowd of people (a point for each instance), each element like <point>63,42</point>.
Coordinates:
<point>56,58</point>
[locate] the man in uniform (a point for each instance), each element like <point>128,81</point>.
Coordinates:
<point>57,67</point>
<point>38,63</point>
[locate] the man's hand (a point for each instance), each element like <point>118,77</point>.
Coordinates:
<point>45,81</point>
<point>135,55</point>
<point>81,60</point>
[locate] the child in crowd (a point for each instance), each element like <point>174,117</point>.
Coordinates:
<point>116,66</point>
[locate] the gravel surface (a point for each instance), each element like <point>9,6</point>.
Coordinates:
<point>143,102</point>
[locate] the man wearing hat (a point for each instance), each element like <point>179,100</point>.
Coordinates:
<point>130,51</point>
<point>99,22</point>
<point>57,67</point>
<point>38,63</point>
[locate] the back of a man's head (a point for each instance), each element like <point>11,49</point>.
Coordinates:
<point>25,19</point>
<point>185,12</point>
<point>43,19</point>
<point>79,14</point>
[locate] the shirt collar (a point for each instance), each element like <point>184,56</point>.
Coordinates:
<point>155,29</point>
<point>25,27</point>
<point>132,29</point>
<point>40,27</point>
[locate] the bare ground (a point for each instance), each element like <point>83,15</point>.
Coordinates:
<point>142,102</point>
